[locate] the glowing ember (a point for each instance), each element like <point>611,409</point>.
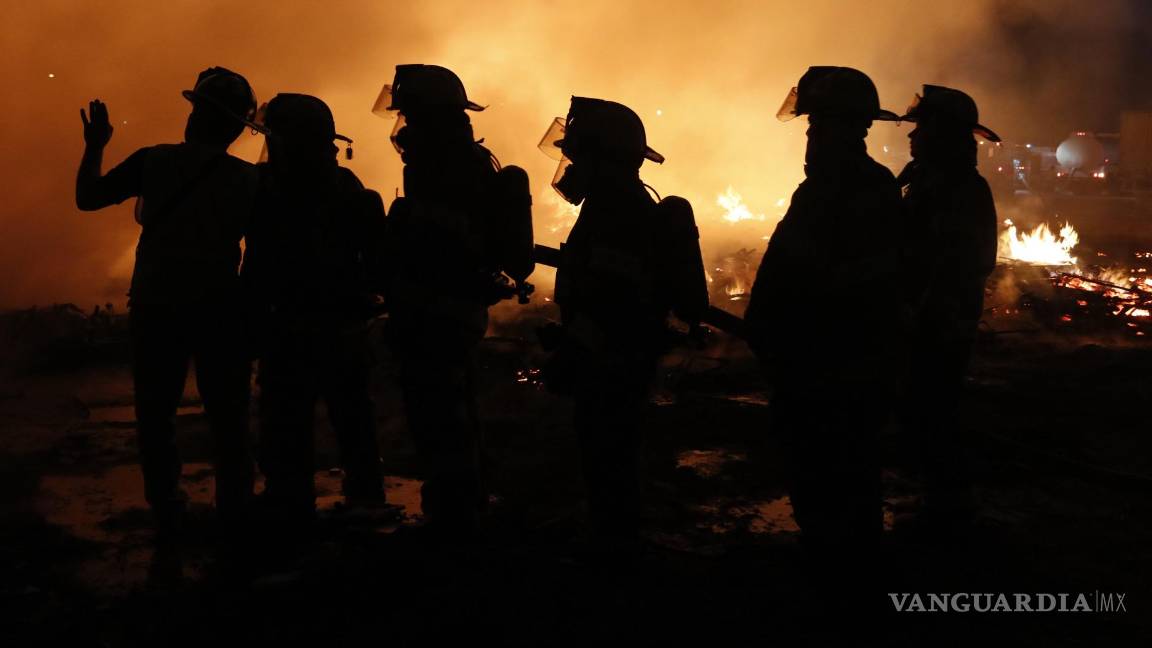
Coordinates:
<point>1040,246</point>
<point>734,207</point>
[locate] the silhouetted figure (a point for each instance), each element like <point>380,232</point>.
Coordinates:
<point>312,266</point>
<point>463,223</point>
<point>825,315</point>
<point>951,206</point>
<point>627,263</point>
<point>193,202</point>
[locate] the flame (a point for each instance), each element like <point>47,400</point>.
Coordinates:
<point>736,290</point>
<point>1040,246</point>
<point>734,207</point>
<point>563,214</point>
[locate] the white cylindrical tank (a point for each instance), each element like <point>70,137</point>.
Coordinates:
<point>1080,151</point>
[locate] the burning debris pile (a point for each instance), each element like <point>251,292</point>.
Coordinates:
<point>1044,276</point>
<point>731,275</point>
<point>732,269</point>
<point>1039,276</point>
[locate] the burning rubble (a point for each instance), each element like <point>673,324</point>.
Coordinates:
<point>1039,275</point>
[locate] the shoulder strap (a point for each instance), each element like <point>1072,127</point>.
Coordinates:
<point>185,190</point>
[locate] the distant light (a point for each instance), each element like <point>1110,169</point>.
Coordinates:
<point>125,121</point>
<point>51,76</point>
<point>659,112</point>
<point>1028,146</point>
<point>885,149</point>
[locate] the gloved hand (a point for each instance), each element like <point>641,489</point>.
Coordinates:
<point>97,127</point>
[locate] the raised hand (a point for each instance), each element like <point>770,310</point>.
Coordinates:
<point>97,128</point>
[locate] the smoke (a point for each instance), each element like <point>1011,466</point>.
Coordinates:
<point>706,78</point>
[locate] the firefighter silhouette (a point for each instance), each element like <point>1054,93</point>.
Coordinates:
<point>627,263</point>
<point>193,201</point>
<point>834,372</point>
<point>313,265</point>
<point>458,241</point>
<point>953,218</point>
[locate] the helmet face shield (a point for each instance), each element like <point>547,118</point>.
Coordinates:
<point>569,182</point>
<point>601,130</point>
<point>553,138</point>
<point>787,110</point>
<point>384,106</point>
<point>396,128</point>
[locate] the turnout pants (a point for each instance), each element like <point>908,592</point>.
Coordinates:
<point>935,385</point>
<point>831,437</point>
<point>440,404</point>
<point>608,423</point>
<point>302,363</point>
<point>164,340</point>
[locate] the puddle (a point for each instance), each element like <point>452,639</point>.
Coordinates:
<point>772,517</point>
<point>98,507</point>
<point>109,509</point>
<point>756,399</point>
<point>708,463</point>
<point>761,517</point>
<point>399,491</point>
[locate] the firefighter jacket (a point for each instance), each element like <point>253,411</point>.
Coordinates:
<point>952,244</point>
<point>826,305</point>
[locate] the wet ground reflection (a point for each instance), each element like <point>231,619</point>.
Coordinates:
<point>107,508</point>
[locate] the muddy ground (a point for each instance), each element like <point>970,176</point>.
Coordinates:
<point>1060,427</point>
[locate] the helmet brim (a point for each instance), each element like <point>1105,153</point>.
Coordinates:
<point>986,133</point>
<point>978,129</point>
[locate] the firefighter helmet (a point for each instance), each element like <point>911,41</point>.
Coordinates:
<point>227,91</point>
<point>599,128</point>
<point>833,90</point>
<point>950,105</point>
<point>421,87</point>
<point>301,118</point>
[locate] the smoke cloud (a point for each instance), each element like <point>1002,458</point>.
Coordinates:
<point>706,78</point>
